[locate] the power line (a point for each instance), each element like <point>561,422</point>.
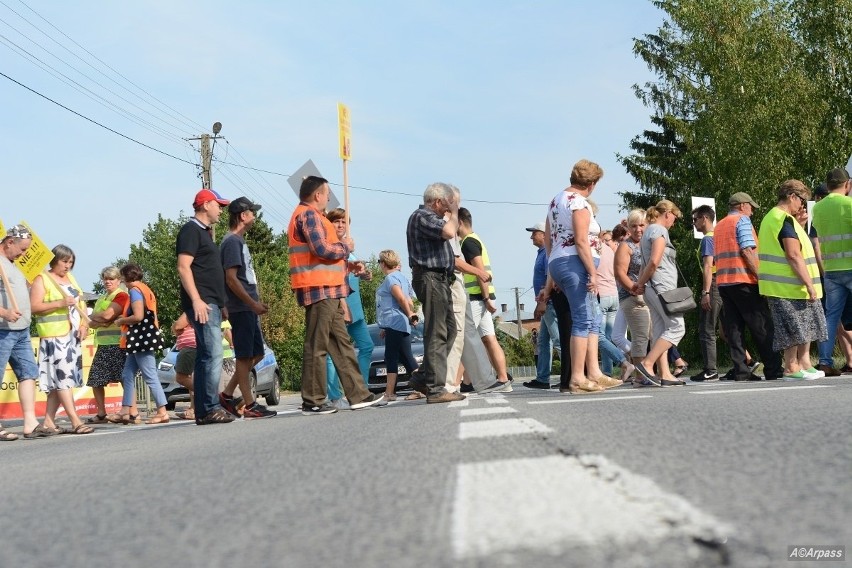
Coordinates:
<point>180,117</point>
<point>96,122</point>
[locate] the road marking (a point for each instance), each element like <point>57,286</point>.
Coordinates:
<point>589,399</point>
<point>459,403</point>
<point>764,389</point>
<point>487,411</point>
<point>496,399</point>
<point>600,506</point>
<point>496,428</point>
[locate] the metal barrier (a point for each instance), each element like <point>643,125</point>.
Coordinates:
<point>143,396</point>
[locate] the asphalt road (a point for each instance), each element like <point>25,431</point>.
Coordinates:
<point>706,475</point>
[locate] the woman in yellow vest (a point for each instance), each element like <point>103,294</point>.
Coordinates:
<point>57,304</point>
<point>789,278</point>
<point>109,358</point>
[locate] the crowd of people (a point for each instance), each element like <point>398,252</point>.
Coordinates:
<point>605,299</point>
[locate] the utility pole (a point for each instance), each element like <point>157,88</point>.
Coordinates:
<point>518,312</point>
<point>207,155</point>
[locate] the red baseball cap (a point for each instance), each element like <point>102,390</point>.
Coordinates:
<point>206,195</point>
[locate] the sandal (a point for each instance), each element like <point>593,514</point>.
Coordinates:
<point>159,419</point>
<point>97,419</point>
<point>390,397</point>
<point>586,388</point>
<point>82,429</point>
<point>415,395</point>
<point>188,414</point>
<point>114,419</point>
<point>131,419</point>
<point>680,369</point>
<point>7,436</point>
<point>40,432</point>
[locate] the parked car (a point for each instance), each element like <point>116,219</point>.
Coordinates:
<point>377,380</point>
<point>265,379</point>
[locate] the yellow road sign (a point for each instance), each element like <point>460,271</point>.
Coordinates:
<point>345,131</point>
<point>35,258</point>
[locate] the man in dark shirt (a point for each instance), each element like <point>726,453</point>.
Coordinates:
<point>431,259</point>
<point>202,297</point>
<point>244,308</point>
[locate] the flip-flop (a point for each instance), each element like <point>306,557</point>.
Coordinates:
<point>7,436</point>
<point>158,420</point>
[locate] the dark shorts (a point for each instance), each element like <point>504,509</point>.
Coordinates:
<point>248,339</point>
<point>185,363</point>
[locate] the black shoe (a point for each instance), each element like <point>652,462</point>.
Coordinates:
<point>465,387</point>
<point>257,410</point>
<point>668,383</point>
<point>534,384</point>
<point>229,403</point>
<point>704,377</point>
<point>418,383</point>
<point>325,408</point>
<point>729,376</point>
<point>749,377</point>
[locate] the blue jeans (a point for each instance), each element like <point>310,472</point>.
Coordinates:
<point>548,335</point>
<point>838,292</point>
<point>610,354</point>
<point>364,344</point>
<point>208,360</point>
<point>17,350</point>
<point>571,277</point>
<point>146,363</point>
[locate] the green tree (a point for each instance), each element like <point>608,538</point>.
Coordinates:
<point>369,287</point>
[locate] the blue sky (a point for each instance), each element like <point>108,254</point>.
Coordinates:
<point>498,98</point>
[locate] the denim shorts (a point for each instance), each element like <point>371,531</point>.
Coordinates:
<point>248,339</point>
<point>572,278</point>
<point>16,349</point>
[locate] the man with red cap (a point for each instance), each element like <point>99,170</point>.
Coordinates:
<point>202,296</point>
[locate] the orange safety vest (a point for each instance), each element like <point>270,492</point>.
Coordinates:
<point>150,303</point>
<point>307,270</point>
<point>730,266</point>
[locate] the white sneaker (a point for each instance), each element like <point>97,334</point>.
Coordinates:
<point>506,387</point>
<point>371,400</point>
<point>810,376</point>
<point>340,404</point>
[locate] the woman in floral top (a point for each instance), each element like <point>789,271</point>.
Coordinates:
<point>573,252</point>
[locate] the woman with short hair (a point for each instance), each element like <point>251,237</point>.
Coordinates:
<point>789,278</point>
<point>60,315</point>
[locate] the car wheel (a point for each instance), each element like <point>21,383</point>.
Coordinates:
<point>273,397</point>
<point>253,384</point>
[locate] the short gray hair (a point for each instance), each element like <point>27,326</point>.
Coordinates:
<point>436,191</point>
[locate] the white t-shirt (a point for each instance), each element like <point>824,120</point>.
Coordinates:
<point>561,216</point>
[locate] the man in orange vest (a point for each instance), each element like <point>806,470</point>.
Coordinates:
<point>318,268</point>
<point>735,242</point>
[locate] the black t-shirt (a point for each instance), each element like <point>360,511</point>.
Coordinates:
<point>471,248</point>
<point>194,240</point>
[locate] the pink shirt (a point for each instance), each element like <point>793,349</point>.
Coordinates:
<point>606,276</point>
<point>186,338</point>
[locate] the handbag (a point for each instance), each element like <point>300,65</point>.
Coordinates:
<point>145,335</point>
<point>678,301</point>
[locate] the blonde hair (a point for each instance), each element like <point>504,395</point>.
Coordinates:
<point>636,216</point>
<point>111,273</point>
<point>594,207</point>
<point>663,206</point>
<point>585,173</point>
<point>389,258</point>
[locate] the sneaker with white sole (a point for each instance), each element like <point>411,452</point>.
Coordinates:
<point>371,400</point>
<point>504,387</point>
<point>814,371</point>
<point>315,410</point>
<point>340,404</point>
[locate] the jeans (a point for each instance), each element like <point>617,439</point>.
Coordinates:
<point>208,360</point>
<point>838,293</point>
<point>364,344</point>
<point>610,354</point>
<point>439,327</point>
<point>570,275</point>
<point>548,335</point>
<point>146,363</point>
<point>17,350</point>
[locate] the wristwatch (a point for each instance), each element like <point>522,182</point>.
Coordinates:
<point>705,293</point>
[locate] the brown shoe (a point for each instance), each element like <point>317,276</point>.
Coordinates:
<point>828,370</point>
<point>218,416</point>
<point>444,396</point>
